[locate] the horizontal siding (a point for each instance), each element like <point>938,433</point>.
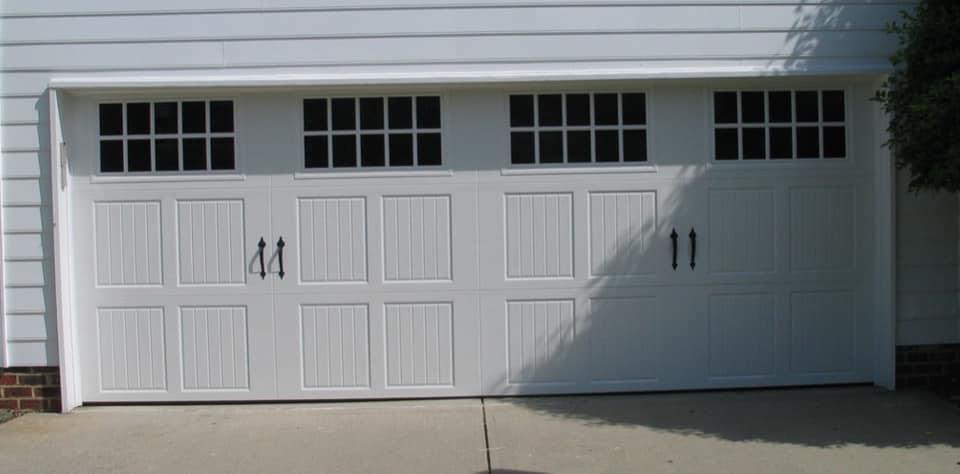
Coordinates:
<point>440,21</point>
<point>928,279</point>
<point>25,164</point>
<point>109,7</point>
<point>19,110</point>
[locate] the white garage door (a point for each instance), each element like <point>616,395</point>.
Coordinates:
<point>475,242</point>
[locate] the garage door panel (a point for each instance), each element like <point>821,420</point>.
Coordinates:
<point>214,348</point>
<point>332,239</point>
<point>132,349</point>
<point>823,326</point>
<point>211,241</point>
<point>335,346</point>
<point>623,228</point>
<point>743,340</point>
<point>127,243</point>
<point>823,228</point>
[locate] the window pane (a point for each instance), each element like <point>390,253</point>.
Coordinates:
<point>521,111</point>
<point>315,152</point>
<point>428,149</point>
<point>343,116</point>
<point>138,155</point>
<point>725,107</point>
<point>578,109</point>
<point>781,142</point>
<point>221,116</point>
<point>832,107</point>
<point>634,145</point>
<point>428,112</point>
<point>521,148</point>
<point>834,142</point>
<point>400,110</point>
<point>194,154</point>
<point>315,115</point>
<point>726,144</point>
<point>111,119</point>
<point>111,156</point>
<point>165,117</point>
<point>605,109</point>
<point>550,109</point>
<point>344,150</point>
<point>138,119</point>
<point>754,144</point>
<point>578,143</point>
<point>634,109</point>
<point>753,107</point>
<point>371,113</point>
<point>194,117</point>
<point>372,150</point>
<point>808,142</point>
<point>551,147</point>
<point>167,154</point>
<point>608,145</point>
<point>781,108</point>
<point>401,149</point>
<point>221,153</point>
<point>807,107</point>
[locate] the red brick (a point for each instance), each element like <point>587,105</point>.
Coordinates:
<point>31,404</point>
<point>31,379</point>
<point>9,404</point>
<point>52,404</point>
<point>46,392</point>
<point>53,379</point>
<point>17,392</point>
<point>8,379</point>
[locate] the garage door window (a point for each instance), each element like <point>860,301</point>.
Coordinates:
<point>779,125</point>
<point>168,136</point>
<point>578,128</point>
<point>372,132</point>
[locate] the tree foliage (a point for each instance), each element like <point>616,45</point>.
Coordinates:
<point>922,95</point>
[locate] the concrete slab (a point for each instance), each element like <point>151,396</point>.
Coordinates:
<point>422,437</point>
<point>857,429</point>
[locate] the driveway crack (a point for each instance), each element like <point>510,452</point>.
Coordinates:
<point>486,434</point>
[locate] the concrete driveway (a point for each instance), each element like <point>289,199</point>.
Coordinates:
<point>855,429</point>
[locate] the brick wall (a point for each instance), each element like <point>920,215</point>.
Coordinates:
<point>930,365</point>
<point>30,388</point>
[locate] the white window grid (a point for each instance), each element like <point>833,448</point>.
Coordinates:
<point>179,136</point>
<point>385,132</point>
<point>620,127</point>
<point>793,124</point>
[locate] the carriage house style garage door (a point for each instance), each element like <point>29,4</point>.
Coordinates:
<point>431,243</point>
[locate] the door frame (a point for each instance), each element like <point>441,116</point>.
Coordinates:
<point>60,89</point>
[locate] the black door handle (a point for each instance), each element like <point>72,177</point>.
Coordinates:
<point>280,245</point>
<point>673,238</point>
<point>263,269</point>
<point>693,248</point>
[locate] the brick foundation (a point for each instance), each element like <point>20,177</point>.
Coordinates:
<point>30,388</point>
<point>935,366</point>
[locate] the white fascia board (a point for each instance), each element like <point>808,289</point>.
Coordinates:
<point>233,79</point>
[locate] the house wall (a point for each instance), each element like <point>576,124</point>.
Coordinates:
<point>381,39</point>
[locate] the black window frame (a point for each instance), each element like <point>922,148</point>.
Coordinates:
<point>593,129</point>
<point>770,127</point>
<point>155,138</point>
<point>420,138</point>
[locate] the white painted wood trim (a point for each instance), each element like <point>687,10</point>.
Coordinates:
<point>3,319</point>
<point>74,82</point>
<point>885,256</point>
<point>70,393</point>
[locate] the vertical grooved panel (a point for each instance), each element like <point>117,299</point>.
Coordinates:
<point>335,346</point>
<point>131,349</point>
<point>214,348</point>
<point>742,335</point>
<point>416,238</point>
<point>822,332</point>
<point>127,243</point>
<point>419,344</point>
<point>333,239</point>
<point>210,242</point>
<point>822,230</point>
<point>624,339</point>
<point>741,234</point>
<point>622,229</point>
<point>540,341</point>
<point>539,235</point>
